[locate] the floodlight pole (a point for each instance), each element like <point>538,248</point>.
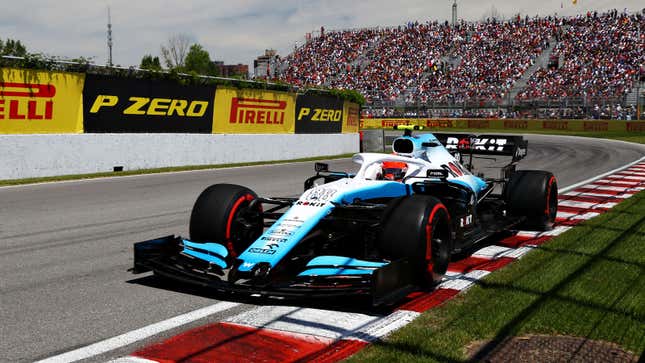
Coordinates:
<point>109,39</point>
<point>454,13</point>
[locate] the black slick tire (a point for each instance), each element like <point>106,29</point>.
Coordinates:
<point>533,194</point>
<point>223,213</point>
<point>418,228</point>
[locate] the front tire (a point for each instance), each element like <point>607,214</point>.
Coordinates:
<point>533,194</point>
<point>224,213</point>
<point>418,228</point>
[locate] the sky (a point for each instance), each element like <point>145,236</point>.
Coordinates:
<point>235,31</point>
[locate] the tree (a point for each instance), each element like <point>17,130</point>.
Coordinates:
<point>175,50</point>
<point>13,47</point>
<point>199,61</point>
<point>151,63</point>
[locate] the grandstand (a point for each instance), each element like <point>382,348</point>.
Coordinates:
<point>590,65</point>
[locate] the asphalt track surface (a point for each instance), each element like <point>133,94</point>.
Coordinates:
<point>65,247</point>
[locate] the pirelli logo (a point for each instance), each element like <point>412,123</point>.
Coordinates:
<point>26,101</point>
<point>257,111</point>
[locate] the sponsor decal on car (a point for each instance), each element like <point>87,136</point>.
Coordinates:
<point>262,251</point>
<point>320,194</point>
<point>488,144</point>
<point>273,239</point>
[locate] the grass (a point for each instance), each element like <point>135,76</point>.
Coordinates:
<point>157,170</point>
<point>588,282</point>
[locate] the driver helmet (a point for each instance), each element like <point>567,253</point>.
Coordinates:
<point>394,170</point>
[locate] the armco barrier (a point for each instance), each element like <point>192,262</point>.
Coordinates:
<point>34,102</point>
<point>119,105</point>
<point>247,111</point>
<point>559,125</point>
<point>25,156</point>
<point>317,114</point>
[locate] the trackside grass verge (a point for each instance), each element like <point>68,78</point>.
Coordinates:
<point>159,170</point>
<point>588,282</point>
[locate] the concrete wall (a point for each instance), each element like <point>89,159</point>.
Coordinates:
<point>26,156</point>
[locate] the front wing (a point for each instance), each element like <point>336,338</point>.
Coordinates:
<point>163,256</point>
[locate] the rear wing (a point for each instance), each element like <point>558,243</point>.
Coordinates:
<point>506,145</point>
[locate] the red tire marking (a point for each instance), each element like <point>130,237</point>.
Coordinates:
<point>547,212</point>
<point>227,236</point>
<point>429,234</point>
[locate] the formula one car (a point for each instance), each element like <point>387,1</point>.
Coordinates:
<point>383,232</point>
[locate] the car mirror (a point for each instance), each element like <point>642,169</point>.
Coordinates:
<point>318,167</point>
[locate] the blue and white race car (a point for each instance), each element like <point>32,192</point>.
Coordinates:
<point>384,231</point>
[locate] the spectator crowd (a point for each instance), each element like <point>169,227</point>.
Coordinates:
<point>599,56</point>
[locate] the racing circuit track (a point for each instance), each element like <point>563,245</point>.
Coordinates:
<point>65,247</point>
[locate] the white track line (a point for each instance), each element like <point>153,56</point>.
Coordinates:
<point>576,185</point>
<point>138,334</point>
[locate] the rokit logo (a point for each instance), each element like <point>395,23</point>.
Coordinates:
<point>27,101</point>
<point>153,106</point>
<point>257,111</point>
<point>476,144</point>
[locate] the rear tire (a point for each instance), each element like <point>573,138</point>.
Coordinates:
<point>223,213</point>
<point>418,228</point>
<point>533,194</point>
